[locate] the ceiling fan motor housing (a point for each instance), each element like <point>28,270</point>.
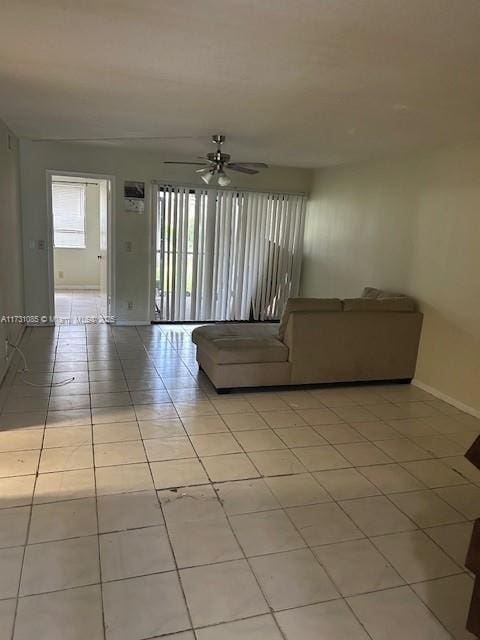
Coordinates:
<point>218,157</point>
<point>218,139</point>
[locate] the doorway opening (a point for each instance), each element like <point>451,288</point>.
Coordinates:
<point>80,271</point>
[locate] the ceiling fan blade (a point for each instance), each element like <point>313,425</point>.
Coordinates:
<point>256,165</point>
<point>202,164</point>
<point>233,166</point>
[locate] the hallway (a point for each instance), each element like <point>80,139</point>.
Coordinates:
<point>77,306</point>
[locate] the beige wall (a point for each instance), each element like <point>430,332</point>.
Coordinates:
<point>80,267</point>
<point>132,268</point>
<point>11,274</point>
<point>410,224</point>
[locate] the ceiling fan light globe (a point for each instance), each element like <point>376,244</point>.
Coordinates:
<point>207,177</point>
<point>223,179</point>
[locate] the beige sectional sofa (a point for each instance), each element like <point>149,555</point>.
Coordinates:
<point>374,337</point>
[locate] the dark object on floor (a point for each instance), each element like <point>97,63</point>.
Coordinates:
<point>473,557</point>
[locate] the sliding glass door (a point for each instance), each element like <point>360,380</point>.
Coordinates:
<point>226,254</point>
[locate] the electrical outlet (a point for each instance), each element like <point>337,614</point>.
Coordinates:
<point>41,245</point>
<point>60,274</point>
<point>128,246</point>
<point>130,305</point>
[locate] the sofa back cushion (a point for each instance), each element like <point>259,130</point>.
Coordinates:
<point>379,294</point>
<point>401,304</point>
<point>306,304</point>
<point>370,292</point>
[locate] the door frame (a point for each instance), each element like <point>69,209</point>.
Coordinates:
<point>111,280</point>
<point>153,251</point>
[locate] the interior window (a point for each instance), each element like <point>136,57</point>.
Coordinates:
<point>68,202</point>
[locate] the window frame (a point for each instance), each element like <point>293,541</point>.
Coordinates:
<point>82,233</point>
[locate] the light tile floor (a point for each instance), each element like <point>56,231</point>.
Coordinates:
<point>74,304</point>
<point>136,503</point>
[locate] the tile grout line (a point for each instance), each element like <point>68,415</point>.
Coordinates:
<point>99,559</point>
<point>27,532</point>
<point>174,559</point>
<point>220,562</point>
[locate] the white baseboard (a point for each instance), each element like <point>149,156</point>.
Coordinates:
<point>76,287</point>
<point>443,396</point>
<point>132,323</point>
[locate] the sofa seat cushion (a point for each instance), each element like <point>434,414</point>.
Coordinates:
<point>242,343</point>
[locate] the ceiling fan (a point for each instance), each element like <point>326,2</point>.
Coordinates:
<point>215,163</point>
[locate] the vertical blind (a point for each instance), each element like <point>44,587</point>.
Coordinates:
<point>68,204</point>
<point>226,254</point>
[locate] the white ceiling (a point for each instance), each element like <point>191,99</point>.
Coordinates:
<point>292,82</point>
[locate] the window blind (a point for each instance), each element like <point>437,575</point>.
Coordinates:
<point>227,254</point>
<point>68,204</point>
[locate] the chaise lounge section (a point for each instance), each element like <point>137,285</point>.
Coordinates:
<point>318,340</point>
